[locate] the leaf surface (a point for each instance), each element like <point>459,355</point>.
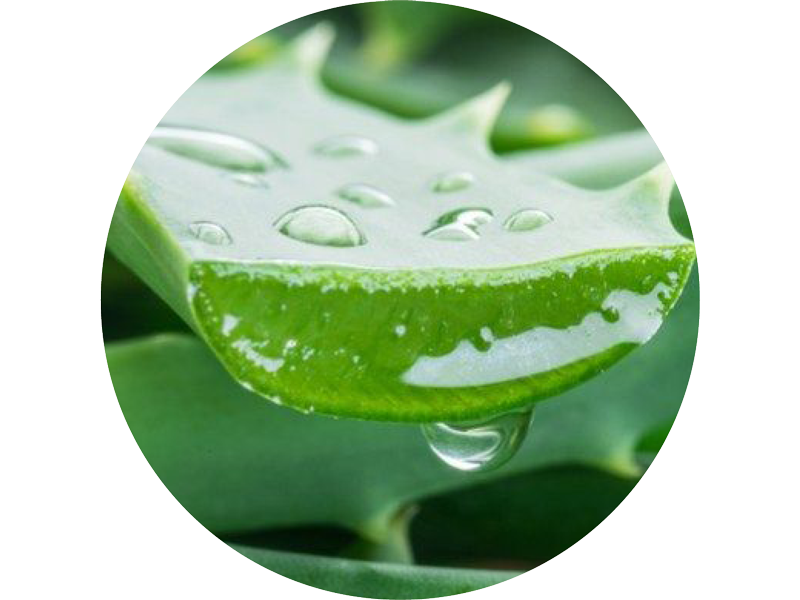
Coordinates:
<point>374,579</point>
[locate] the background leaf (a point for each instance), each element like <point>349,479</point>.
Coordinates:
<point>371,579</point>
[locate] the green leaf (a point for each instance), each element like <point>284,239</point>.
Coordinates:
<point>240,464</point>
<point>373,579</point>
<point>399,32</point>
<point>520,521</point>
<point>332,266</point>
<point>131,309</point>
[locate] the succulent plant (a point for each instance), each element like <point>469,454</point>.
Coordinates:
<point>384,272</point>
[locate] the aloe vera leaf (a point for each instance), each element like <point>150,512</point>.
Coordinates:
<point>374,579</point>
<point>596,164</point>
<point>130,308</point>
<point>603,163</point>
<point>523,520</point>
<point>258,50</point>
<point>515,522</point>
<point>396,33</point>
<point>337,325</point>
<point>239,464</point>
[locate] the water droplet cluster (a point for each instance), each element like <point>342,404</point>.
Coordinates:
<point>248,164</point>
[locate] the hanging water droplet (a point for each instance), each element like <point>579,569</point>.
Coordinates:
<point>346,145</point>
<point>320,225</point>
<point>215,149</point>
<point>527,219</point>
<point>480,445</point>
<point>210,233</point>
<point>365,195</point>
<point>460,225</point>
<point>452,181</point>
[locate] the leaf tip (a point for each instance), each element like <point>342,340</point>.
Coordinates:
<point>660,180</point>
<point>475,117</point>
<point>310,49</point>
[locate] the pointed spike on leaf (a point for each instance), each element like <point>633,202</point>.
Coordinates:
<point>475,117</point>
<point>648,196</point>
<point>309,50</point>
<point>654,186</point>
<point>658,181</point>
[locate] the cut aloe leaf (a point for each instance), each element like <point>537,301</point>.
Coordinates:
<point>340,260</point>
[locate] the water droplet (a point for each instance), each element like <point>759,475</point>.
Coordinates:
<point>346,145</point>
<point>400,330</point>
<point>452,181</point>
<point>215,149</point>
<point>527,219</point>
<point>250,179</point>
<point>365,195</point>
<point>210,233</point>
<point>480,445</point>
<point>460,225</point>
<point>320,225</point>
<point>610,314</point>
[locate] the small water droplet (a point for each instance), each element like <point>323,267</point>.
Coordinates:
<point>346,145</point>
<point>320,225</point>
<point>452,181</point>
<point>215,149</point>
<point>610,314</point>
<point>459,225</point>
<point>210,233</point>
<point>365,195</point>
<point>400,330</point>
<point>527,219</point>
<point>480,445</point>
<point>250,179</point>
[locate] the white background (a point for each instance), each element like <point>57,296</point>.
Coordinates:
<point>84,82</point>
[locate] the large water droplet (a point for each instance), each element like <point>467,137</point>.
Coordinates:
<point>320,225</point>
<point>480,445</point>
<point>215,149</point>
<point>452,181</point>
<point>365,195</point>
<point>210,233</point>
<point>527,219</point>
<point>459,225</point>
<point>346,145</point>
